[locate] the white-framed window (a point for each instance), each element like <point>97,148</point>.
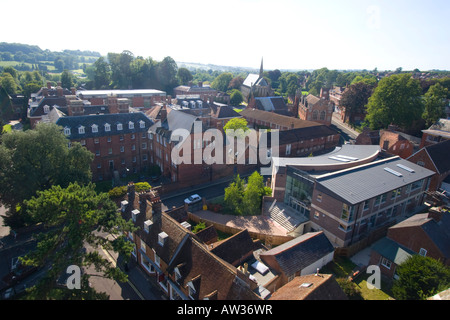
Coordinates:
<point>81,130</point>
<point>83,142</point>
<point>96,141</point>
<point>142,124</point>
<point>67,131</point>
<point>144,157</point>
<point>131,125</point>
<point>157,259</point>
<point>97,153</point>
<point>386,263</point>
<point>133,147</point>
<point>109,150</point>
<point>423,252</point>
<point>94,128</point>
<point>119,126</point>
<point>319,198</point>
<point>144,145</point>
<point>46,109</point>
<point>107,127</point>
<point>143,246</point>
<point>192,290</point>
<point>288,149</point>
<point>122,149</point>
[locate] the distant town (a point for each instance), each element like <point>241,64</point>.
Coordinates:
<point>127,178</point>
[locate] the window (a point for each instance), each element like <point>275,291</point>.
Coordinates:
<point>133,147</point>
<point>423,252</point>
<point>108,139</point>
<point>133,136</point>
<point>109,150</point>
<point>97,153</point>
<point>144,157</point>
<point>288,149</point>
<point>141,124</point>
<point>347,212</point>
<point>131,125</point>
<point>83,142</point>
<point>322,115</point>
<point>122,149</point>
<point>421,163</point>
<point>319,198</point>
<point>386,263</point>
<point>157,259</point>
<point>316,215</point>
<point>94,128</point>
<point>46,109</point>
<point>191,290</point>
<point>396,193</point>
<point>96,141</point>
<point>345,228</point>
<point>121,137</point>
<point>417,185</point>
<point>67,131</point>
<point>366,205</point>
<point>143,247</point>
<point>119,126</point>
<point>144,145</point>
<point>81,130</point>
<point>107,127</point>
<point>315,115</point>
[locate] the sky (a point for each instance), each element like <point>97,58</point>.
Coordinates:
<point>287,34</point>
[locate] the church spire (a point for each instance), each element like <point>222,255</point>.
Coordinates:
<point>261,68</point>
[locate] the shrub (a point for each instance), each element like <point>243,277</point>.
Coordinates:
<point>117,192</point>
<point>142,186</point>
<point>350,288</point>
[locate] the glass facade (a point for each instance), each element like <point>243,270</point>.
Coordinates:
<point>299,189</point>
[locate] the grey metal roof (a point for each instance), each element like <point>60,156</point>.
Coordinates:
<point>367,181</point>
<point>251,80</point>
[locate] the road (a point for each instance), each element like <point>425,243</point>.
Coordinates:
<point>346,132</point>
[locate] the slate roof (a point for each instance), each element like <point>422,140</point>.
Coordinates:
<point>440,154</point>
<point>301,252</point>
<point>438,232</point>
<point>367,181</point>
<point>176,119</point>
<point>391,250</point>
<point>235,247</point>
<point>251,79</point>
<point>75,122</point>
<point>299,134</point>
<point>270,103</point>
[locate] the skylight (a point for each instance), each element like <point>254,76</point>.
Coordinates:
<point>395,173</point>
<point>405,168</point>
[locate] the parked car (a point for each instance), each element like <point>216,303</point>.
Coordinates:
<point>193,199</point>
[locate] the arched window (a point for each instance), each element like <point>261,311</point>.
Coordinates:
<point>322,115</point>
<point>315,115</point>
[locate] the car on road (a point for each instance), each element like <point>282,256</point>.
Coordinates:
<point>193,199</point>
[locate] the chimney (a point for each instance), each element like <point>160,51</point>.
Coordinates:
<point>131,193</point>
<point>123,105</point>
<point>163,113</point>
<point>73,90</point>
<point>59,91</point>
<point>112,104</point>
<point>75,108</point>
<point>200,84</point>
<point>435,213</point>
<point>143,202</point>
<point>45,92</point>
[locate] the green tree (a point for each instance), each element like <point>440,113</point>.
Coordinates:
<point>75,216</point>
<point>420,277</point>
<point>8,83</point>
<point>184,76</point>
<point>233,196</point>
<point>396,100</point>
<point>222,81</point>
<point>254,191</point>
<point>102,74</point>
<point>236,124</point>
<point>66,79</point>
<point>435,101</point>
<point>236,97</point>
<point>35,160</point>
<point>355,98</point>
<point>167,74</point>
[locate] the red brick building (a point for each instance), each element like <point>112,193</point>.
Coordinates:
<point>316,109</point>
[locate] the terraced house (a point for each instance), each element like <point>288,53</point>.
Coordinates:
<point>179,261</point>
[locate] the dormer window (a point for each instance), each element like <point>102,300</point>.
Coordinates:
<point>119,126</point>
<point>81,130</point>
<point>131,125</point>
<point>177,274</point>
<point>141,124</point>
<point>46,109</point>
<point>107,127</point>
<point>67,131</point>
<point>191,290</point>
<point>94,128</point>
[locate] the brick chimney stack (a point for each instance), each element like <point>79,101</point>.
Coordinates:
<point>123,105</point>
<point>76,108</point>
<point>112,104</point>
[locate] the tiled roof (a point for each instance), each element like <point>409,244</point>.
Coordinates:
<point>281,120</point>
<point>310,287</point>
<point>299,134</point>
<point>301,252</point>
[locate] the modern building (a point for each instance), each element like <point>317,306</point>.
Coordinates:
<point>139,98</point>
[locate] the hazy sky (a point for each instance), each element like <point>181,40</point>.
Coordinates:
<point>289,34</point>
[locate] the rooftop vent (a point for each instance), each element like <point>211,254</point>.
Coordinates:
<point>186,225</point>
<point>123,205</point>
<point>306,285</point>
